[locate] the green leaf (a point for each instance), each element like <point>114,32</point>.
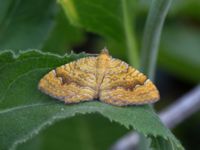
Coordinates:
<point>25,111</point>
<point>151,37</point>
<point>183,8</point>
<point>84,132</point>
<point>25,24</point>
<point>110,20</point>
<point>180,53</point>
<point>63,36</point>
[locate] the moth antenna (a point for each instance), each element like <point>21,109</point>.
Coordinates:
<point>105,51</point>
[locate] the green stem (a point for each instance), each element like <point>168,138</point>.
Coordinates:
<point>151,38</point>
<point>130,39</point>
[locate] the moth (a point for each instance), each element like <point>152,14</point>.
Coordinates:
<point>102,77</point>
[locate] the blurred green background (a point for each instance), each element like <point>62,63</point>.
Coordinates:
<point>35,24</point>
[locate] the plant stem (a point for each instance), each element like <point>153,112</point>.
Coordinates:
<point>130,39</point>
<point>151,37</point>
<point>182,108</point>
